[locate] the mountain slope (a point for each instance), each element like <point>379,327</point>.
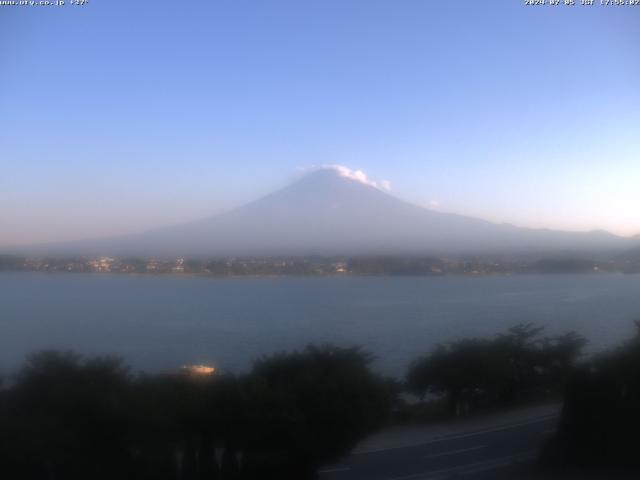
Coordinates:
<point>325,213</point>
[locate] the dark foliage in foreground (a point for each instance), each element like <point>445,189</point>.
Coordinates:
<point>598,428</point>
<point>514,367</point>
<point>66,417</point>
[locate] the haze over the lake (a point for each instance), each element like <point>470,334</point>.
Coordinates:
<point>511,114</point>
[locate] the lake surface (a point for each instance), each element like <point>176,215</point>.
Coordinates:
<point>161,322</point>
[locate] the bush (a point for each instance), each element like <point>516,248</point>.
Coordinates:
<point>513,367</point>
<point>67,417</point>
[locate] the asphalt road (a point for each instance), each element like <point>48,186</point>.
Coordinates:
<point>494,452</point>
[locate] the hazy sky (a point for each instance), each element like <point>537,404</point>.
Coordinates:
<point>122,115</point>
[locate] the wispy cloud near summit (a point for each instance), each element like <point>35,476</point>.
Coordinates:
<point>357,175</point>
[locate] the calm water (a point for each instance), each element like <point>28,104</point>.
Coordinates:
<point>166,321</point>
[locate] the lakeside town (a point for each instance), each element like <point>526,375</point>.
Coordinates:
<point>321,266</point>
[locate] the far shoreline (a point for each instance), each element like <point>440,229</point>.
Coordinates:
<point>327,275</point>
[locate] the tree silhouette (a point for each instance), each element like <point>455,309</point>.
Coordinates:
<point>601,415</point>
<point>311,407</point>
<point>515,366</point>
<point>69,417</point>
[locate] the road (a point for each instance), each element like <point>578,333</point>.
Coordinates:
<point>496,449</point>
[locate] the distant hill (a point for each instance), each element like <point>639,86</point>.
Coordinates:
<point>632,254</point>
<point>325,213</point>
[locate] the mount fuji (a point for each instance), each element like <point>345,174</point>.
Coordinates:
<point>329,213</point>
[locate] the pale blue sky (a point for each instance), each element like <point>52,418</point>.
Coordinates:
<point>123,115</point>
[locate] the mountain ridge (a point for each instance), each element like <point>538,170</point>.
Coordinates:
<point>326,213</point>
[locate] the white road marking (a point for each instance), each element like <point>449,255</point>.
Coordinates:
<point>455,452</point>
<point>476,467</point>
<point>446,438</point>
<point>335,470</point>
